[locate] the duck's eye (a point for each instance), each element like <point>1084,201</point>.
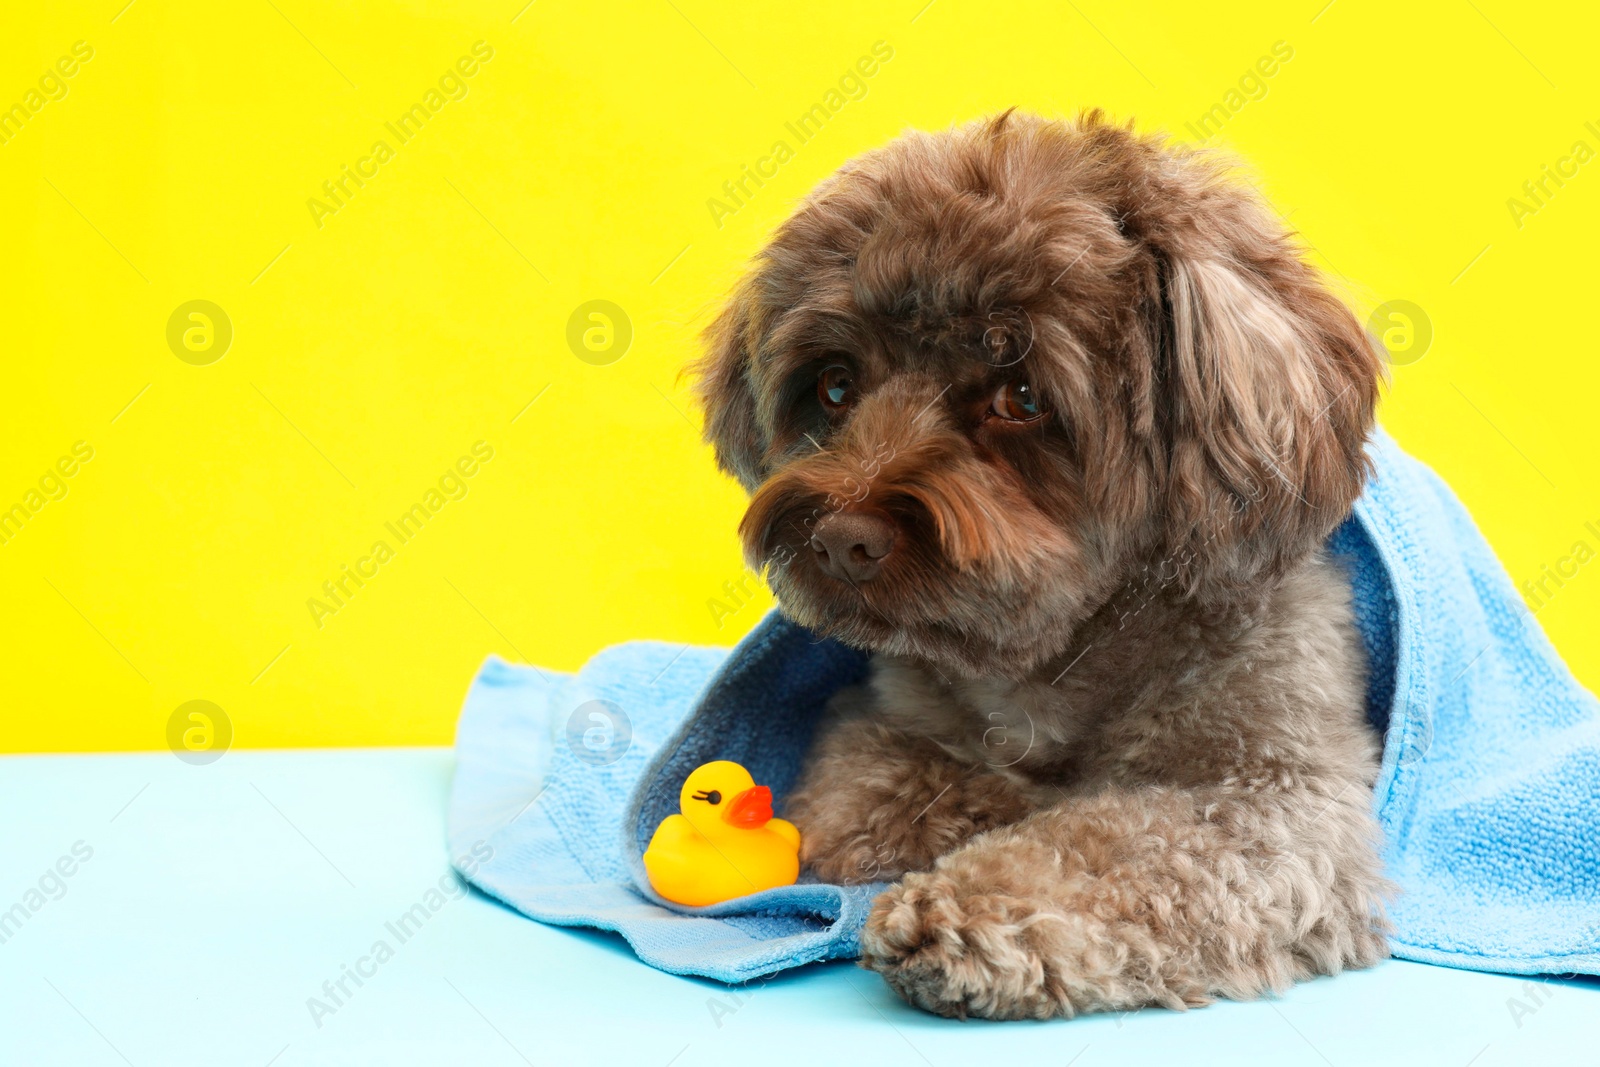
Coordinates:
<point>1016,401</point>
<point>713,796</point>
<point>836,386</point>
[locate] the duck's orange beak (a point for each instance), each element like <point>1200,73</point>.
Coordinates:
<point>750,809</point>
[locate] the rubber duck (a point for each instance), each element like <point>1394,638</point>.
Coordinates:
<point>725,844</point>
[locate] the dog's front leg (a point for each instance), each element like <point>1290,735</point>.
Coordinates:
<point>874,803</point>
<point>1130,898</point>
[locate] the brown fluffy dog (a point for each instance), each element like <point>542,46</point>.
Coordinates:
<point>1052,418</point>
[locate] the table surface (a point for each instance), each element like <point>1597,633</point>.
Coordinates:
<point>216,901</point>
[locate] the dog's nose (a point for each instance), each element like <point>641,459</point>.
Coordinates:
<point>851,545</point>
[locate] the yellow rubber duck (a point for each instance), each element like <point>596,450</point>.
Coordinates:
<point>726,843</point>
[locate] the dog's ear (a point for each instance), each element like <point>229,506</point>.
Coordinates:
<point>722,382</point>
<point>1268,393</point>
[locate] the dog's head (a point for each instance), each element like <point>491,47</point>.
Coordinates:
<point>982,380</point>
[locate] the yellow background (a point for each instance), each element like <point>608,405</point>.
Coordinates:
<point>370,353</point>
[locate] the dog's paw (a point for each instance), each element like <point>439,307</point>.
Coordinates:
<point>960,954</point>
<point>852,838</point>
<point>963,952</point>
<point>851,860</point>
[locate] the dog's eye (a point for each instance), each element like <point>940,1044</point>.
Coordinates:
<point>836,386</point>
<point>1017,402</point>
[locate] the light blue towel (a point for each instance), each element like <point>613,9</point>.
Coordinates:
<point>1489,795</point>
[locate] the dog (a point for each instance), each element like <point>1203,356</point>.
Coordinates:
<point>1051,417</point>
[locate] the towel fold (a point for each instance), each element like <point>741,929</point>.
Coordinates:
<point>1489,793</point>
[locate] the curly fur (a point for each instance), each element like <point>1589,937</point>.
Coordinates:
<point>1113,745</point>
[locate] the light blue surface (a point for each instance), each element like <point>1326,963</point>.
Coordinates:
<point>1489,795</point>
<point>219,899</point>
